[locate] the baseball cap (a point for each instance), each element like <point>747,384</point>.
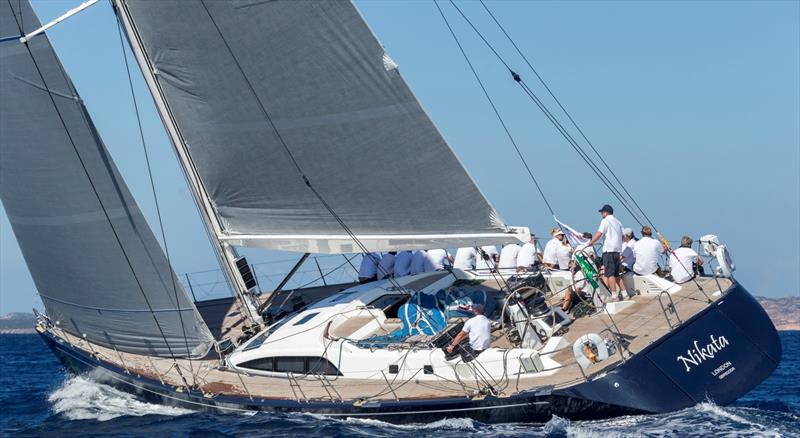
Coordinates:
<point>607,208</point>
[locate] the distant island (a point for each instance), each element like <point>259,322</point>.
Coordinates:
<point>785,314</point>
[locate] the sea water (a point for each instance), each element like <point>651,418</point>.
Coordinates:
<point>38,398</point>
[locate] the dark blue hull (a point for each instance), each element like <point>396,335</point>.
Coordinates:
<point>726,349</point>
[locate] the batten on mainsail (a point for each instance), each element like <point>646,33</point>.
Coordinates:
<point>266,94</point>
<point>96,264</point>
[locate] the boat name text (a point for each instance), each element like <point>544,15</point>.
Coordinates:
<point>697,354</point>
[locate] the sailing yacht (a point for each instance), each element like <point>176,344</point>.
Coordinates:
<point>278,111</point>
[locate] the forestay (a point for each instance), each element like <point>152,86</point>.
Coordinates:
<point>95,261</point>
<point>263,92</point>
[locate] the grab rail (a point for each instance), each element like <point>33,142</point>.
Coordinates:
<point>669,307</point>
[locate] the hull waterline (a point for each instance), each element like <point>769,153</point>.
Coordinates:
<point>727,349</point>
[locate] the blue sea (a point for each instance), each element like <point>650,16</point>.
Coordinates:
<point>38,398</point>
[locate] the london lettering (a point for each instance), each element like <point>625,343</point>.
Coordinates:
<point>696,355</point>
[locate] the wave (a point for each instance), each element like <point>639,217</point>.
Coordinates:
<point>80,398</point>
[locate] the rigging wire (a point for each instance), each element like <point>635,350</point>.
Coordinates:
<point>97,196</point>
<point>560,105</point>
<point>554,120</point>
<point>496,111</point>
<point>564,132</point>
<point>155,194</point>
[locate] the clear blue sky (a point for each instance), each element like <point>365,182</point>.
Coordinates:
<point>695,104</point>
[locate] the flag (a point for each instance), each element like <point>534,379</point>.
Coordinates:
<point>575,238</point>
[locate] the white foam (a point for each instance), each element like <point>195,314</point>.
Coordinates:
<point>79,398</point>
<point>446,423</point>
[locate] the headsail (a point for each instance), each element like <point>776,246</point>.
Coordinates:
<point>96,264</point>
<point>262,91</point>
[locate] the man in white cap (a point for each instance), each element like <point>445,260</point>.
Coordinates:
<point>557,252</point>
<point>610,230</point>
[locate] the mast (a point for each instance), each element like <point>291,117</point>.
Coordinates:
<point>225,252</point>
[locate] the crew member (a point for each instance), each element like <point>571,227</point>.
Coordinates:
<point>557,252</point>
<point>528,255</point>
<point>684,261</point>
<point>402,264</point>
<point>418,262</point>
<point>610,230</point>
<point>488,257</point>
<point>628,260</point>
<point>508,256</point>
<point>435,260</point>
<point>465,258</point>
<point>479,330</point>
<point>368,271</point>
<point>646,252</point>
<point>386,266</point>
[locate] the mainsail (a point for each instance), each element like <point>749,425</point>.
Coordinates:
<point>97,265</point>
<point>264,93</point>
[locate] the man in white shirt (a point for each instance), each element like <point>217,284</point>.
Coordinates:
<point>418,262</point>
<point>528,255</point>
<point>628,260</point>
<point>402,264</point>
<point>508,256</point>
<point>557,252</point>
<point>368,271</point>
<point>646,252</point>
<point>479,330</point>
<point>386,266</point>
<point>435,259</point>
<point>488,257</point>
<point>611,231</point>
<point>682,261</point>
<point>465,258</point>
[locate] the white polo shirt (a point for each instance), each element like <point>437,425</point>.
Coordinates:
<point>369,266</point>
<point>465,258</point>
<point>628,260</point>
<point>646,252</point>
<point>402,264</point>
<point>508,256</point>
<point>527,255</point>
<point>556,253</point>
<point>418,262</point>
<point>612,234</point>
<point>435,259</point>
<point>479,329</point>
<point>491,251</point>
<point>386,265</point>
<point>681,266</point>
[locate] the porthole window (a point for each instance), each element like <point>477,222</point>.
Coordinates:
<point>293,364</point>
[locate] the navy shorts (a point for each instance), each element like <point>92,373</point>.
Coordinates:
<point>612,264</point>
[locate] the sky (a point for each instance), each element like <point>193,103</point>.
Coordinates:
<point>695,105</point>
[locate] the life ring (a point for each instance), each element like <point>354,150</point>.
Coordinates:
<point>589,349</point>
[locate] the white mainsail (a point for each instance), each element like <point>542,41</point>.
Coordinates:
<point>264,94</point>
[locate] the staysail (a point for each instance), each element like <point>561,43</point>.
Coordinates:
<point>262,93</point>
<point>97,266</point>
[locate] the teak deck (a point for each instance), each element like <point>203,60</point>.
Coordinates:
<point>641,324</point>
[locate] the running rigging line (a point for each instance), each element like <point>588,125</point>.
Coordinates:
<point>553,119</point>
